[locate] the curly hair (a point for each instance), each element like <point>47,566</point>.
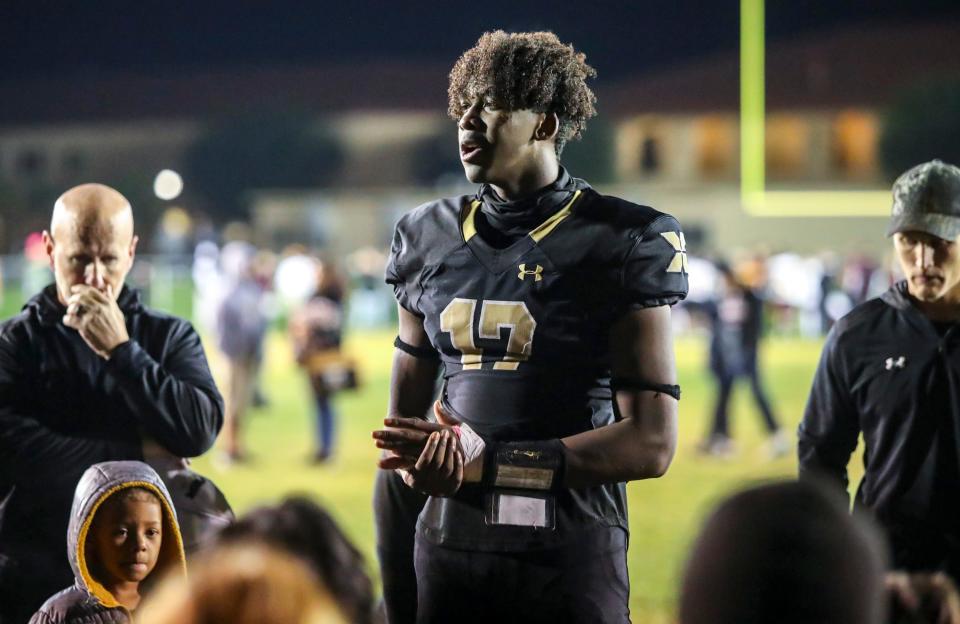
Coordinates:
<point>534,71</point>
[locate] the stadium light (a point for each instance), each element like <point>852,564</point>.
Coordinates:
<point>168,185</point>
<point>756,199</point>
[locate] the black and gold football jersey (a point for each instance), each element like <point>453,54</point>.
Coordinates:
<point>523,331</point>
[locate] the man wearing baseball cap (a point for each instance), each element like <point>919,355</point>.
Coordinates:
<point>891,370</point>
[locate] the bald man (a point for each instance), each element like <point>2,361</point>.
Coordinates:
<point>87,374</point>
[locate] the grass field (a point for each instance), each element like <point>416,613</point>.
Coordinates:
<point>664,513</point>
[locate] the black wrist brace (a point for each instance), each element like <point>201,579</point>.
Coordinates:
<point>534,465</point>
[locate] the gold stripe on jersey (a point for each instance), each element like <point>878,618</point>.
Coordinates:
<point>469,229</point>
<point>548,226</point>
<point>467,225</point>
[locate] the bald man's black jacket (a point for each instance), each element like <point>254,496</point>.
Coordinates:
<point>63,408</point>
<point>891,374</point>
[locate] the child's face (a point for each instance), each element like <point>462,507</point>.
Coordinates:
<point>126,536</point>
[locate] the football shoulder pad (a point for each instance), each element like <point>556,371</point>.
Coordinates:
<point>422,237</point>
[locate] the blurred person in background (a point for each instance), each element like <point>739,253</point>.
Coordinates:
<point>264,267</point>
<point>305,530</point>
<point>784,553</point>
<point>208,286</point>
<point>857,276</point>
<point>241,327</point>
<point>890,370</point>
<point>371,305</point>
<point>736,327</point>
<point>87,374</point>
<point>828,285</point>
<point>316,329</point>
<point>243,584</point>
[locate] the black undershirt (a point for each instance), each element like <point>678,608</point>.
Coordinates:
<point>501,222</point>
<point>942,327</point>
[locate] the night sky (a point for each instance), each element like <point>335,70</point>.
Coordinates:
<point>620,37</point>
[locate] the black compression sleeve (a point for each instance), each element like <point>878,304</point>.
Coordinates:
<point>424,353</point>
<point>622,383</point>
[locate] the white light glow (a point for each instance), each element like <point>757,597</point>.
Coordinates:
<point>168,185</point>
<point>296,279</point>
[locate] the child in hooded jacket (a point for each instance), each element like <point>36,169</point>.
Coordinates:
<point>123,533</point>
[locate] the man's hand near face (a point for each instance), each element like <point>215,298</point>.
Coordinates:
<point>97,317</point>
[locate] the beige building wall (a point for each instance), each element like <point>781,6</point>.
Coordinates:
<point>380,145</point>
<point>94,151</point>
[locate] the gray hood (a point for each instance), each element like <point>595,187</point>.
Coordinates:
<point>99,482</point>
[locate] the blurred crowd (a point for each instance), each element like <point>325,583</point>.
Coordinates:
<point>802,295</point>
<point>241,291</point>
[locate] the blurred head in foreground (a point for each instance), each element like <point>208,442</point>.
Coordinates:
<point>784,553</point>
<point>303,529</point>
<point>251,584</point>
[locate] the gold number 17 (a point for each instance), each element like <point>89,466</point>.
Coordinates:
<point>457,319</point>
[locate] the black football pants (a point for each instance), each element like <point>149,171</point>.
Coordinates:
<point>585,582</point>
<point>396,508</point>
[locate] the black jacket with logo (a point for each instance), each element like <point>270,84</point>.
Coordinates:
<point>63,409</point>
<point>889,372</point>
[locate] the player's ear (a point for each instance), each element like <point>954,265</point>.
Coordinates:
<point>548,127</point>
<point>48,246</point>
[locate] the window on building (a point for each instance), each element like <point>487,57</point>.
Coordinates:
<point>30,162</point>
<point>72,162</point>
<point>649,155</point>
<point>787,146</point>
<point>854,144</point>
<point>716,145</point>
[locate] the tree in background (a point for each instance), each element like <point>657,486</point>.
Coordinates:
<point>267,150</point>
<point>922,124</point>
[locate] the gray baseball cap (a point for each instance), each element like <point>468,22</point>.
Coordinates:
<point>927,199</point>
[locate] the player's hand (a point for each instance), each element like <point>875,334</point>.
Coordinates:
<point>925,598</point>
<point>439,469</point>
<point>406,438</point>
<point>97,318</point>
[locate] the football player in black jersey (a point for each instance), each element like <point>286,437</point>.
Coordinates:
<point>547,305</point>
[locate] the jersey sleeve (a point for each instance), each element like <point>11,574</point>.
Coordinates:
<point>655,270</point>
<point>403,268</point>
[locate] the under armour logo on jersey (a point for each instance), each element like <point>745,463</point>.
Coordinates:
<point>679,244</point>
<point>537,273</point>
<point>899,363</point>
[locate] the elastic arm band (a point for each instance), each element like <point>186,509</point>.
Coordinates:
<point>622,383</point>
<point>534,465</point>
<point>424,353</point>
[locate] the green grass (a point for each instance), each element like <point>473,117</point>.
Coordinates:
<point>665,514</point>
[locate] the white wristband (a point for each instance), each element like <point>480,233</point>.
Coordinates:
<point>473,447</point>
